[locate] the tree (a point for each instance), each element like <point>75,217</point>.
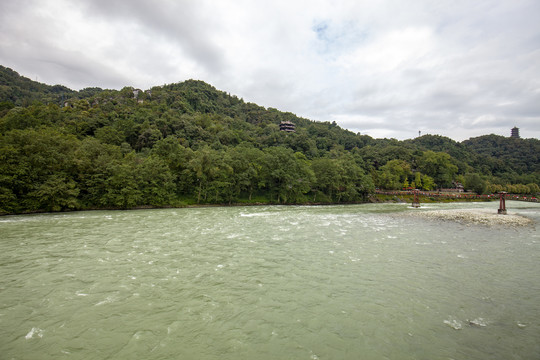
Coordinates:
<point>406,184</point>
<point>327,176</point>
<point>475,183</point>
<point>30,162</point>
<point>95,165</point>
<point>417,180</point>
<point>177,158</point>
<point>439,166</point>
<point>533,188</point>
<point>285,175</point>
<point>246,164</point>
<point>428,183</point>
<point>109,135</point>
<point>354,185</point>
<point>121,186</point>
<point>17,118</point>
<point>148,137</point>
<point>155,181</point>
<point>393,174</point>
<point>56,193</point>
<point>210,175</point>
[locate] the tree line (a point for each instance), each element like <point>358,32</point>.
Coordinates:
<point>46,169</point>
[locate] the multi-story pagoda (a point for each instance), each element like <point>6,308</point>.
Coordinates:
<point>515,132</point>
<point>287,126</point>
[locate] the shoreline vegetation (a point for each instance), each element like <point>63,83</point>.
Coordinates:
<point>189,144</point>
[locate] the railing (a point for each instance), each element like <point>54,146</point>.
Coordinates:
<point>517,197</point>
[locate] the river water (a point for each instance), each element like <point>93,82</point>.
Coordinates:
<point>275,282</point>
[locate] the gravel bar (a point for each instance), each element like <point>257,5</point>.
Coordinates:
<point>481,217</point>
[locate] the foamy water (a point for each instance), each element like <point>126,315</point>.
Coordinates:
<point>328,282</point>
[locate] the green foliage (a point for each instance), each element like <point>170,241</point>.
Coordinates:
<point>327,174</point>
<point>428,183</point>
<point>438,143</point>
<point>418,183</point>
<point>55,194</point>
<point>394,174</point>
<point>22,91</point>
<point>109,135</point>
<point>189,143</point>
<point>439,166</point>
<point>474,182</point>
<point>285,174</point>
<point>38,170</point>
<point>501,155</point>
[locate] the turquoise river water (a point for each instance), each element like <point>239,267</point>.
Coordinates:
<point>275,282</point>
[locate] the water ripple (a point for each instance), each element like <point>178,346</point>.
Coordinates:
<point>297,282</point>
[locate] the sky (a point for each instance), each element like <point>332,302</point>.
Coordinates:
<point>384,68</point>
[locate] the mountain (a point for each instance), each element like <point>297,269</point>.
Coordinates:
<point>520,155</point>
<point>22,91</point>
<point>187,143</point>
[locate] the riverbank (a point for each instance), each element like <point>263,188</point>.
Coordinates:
<point>373,199</point>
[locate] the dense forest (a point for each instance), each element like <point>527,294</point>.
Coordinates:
<point>189,143</point>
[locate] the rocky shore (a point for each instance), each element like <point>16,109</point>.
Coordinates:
<point>475,216</point>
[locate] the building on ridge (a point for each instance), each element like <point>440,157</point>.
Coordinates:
<point>515,132</point>
<point>286,126</point>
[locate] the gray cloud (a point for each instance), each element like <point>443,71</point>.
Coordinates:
<point>389,68</point>
<point>182,23</point>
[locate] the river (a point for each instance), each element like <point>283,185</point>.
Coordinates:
<point>269,282</point>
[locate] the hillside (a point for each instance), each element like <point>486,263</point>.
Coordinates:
<point>22,91</point>
<point>520,155</point>
<point>188,142</point>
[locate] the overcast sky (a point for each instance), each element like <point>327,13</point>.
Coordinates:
<point>382,68</point>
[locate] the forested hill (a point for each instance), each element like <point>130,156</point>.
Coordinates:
<point>187,143</point>
<point>522,155</point>
<point>21,91</point>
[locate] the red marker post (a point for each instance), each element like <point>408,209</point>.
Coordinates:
<point>502,203</point>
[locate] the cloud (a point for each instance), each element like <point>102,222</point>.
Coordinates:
<point>183,25</point>
<point>387,68</point>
